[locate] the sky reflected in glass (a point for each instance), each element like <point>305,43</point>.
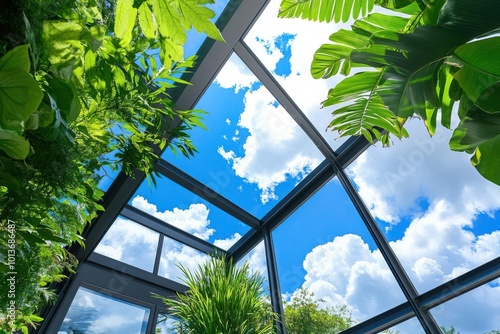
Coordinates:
<point>92,313</point>
<point>131,243</point>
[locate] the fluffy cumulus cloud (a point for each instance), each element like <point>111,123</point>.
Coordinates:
<point>275,150</point>
<point>438,195</point>
<point>345,272</point>
<point>193,220</point>
<point>134,244</point>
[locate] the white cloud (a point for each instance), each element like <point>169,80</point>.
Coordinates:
<point>131,243</point>
<point>275,150</point>
<point>439,241</point>
<point>345,272</point>
<point>227,243</point>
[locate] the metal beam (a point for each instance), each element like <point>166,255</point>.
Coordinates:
<point>274,284</point>
<point>170,231</point>
<point>283,98</point>
<point>426,320</point>
<point>466,282</point>
<point>382,321</point>
<point>200,189</point>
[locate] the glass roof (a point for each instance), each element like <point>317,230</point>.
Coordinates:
<point>390,233</point>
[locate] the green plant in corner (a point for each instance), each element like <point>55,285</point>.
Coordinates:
<point>222,298</point>
<point>74,98</point>
<point>440,53</point>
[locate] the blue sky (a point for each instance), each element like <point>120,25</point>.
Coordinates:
<point>439,215</point>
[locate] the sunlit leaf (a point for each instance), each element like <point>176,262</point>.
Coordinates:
<point>125,16</point>
<point>147,21</point>
<point>325,10</point>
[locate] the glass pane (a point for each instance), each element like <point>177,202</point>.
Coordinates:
<point>181,208</point>
<point>411,326</point>
<point>475,312</point>
<point>166,324</point>
<point>440,215</point>
<point>174,253</point>
<point>130,243</point>
<point>257,262</point>
<point>253,153</point>
<point>325,248</point>
<point>286,47</point>
<point>95,313</point>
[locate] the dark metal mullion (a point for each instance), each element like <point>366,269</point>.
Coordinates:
<point>200,189</point>
<point>170,231</point>
<point>156,267</point>
<point>274,284</point>
<point>267,79</point>
<point>281,211</point>
<point>466,282</point>
<point>383,321</point>
<point>426,320</point>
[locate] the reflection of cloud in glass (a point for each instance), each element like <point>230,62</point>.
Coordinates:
<point>173,253</point>
<point>130,243</point>
<point>166,324</point>
<point>95,313</point>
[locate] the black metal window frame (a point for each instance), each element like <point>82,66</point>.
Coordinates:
<point>99,272</point>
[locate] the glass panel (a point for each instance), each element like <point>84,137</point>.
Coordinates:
<point>166,324</point>
<point>181,208</point>
<point>253,153</point>
<point>411,326</point>
<point>95,313</point>
<point>286,47</point>
<point>174,253</point>
<point>131,243</point>
<point>257,262</point>
<point>475,312</point>
<point>325,248</point>
<point>440,215</point>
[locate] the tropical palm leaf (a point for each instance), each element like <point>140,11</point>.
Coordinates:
<point>325,10</point>
<point>330,58</point>
<point>366,113</point>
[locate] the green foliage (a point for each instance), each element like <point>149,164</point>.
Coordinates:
<point>444,52</point>
<point>74,98</point>
<point>303,315</point>
<point>222,298</point>
<point>166,20</point>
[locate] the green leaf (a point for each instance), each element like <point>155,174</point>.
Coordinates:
<point>7,180</point>
<point>18,58</point>
<point>147,21</point>
<point>325,10</point>
<point>198,16</point>
<point>366,112</point>
<point>169,21</point>
<point>489,100</point>
<point>65,95</point>
<point>475,128</point>
<point>329,57</point>
<point>14,145</point>
<point>20,95</point>
<point>486,159</point>
<point>125,16</point>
